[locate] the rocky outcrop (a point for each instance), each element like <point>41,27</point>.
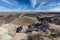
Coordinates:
<point>38,36</point>
<point>20,36</point>
<point>25,20</point>
<point>55,27</point>
<point>4,34</point>
<point>11,28</point>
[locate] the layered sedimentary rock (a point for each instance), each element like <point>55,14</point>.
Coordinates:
<point>25,20</point>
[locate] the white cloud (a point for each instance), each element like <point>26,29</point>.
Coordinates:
<point>20,9</point>
<point>53,4</point>
<point>41,5</point>
<point>6,1</point>
<point>55,9</point>
<point>40,2</point>
<point>33,3</point>
<point>50,6</point>
<point>11,3</point>
<point>4,9</point>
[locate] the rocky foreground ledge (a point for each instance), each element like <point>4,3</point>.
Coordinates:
<point>8,32</point>
<point>10,23</point>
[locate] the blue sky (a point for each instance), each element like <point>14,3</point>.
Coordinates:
<point>29,5</point>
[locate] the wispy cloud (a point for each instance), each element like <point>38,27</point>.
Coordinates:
<point>19,9</point>
<point>14,3</point>
<point>39,2</point>
<point>33,3</point>
<point>50,6</point>
<point>3,9</point>
<point>41,5</point>
<point>55,9</point>
<point>11,6</point>
<point>6,1</point>
<point>37,5</point>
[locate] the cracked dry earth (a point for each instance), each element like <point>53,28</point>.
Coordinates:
<point>9,24</point>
